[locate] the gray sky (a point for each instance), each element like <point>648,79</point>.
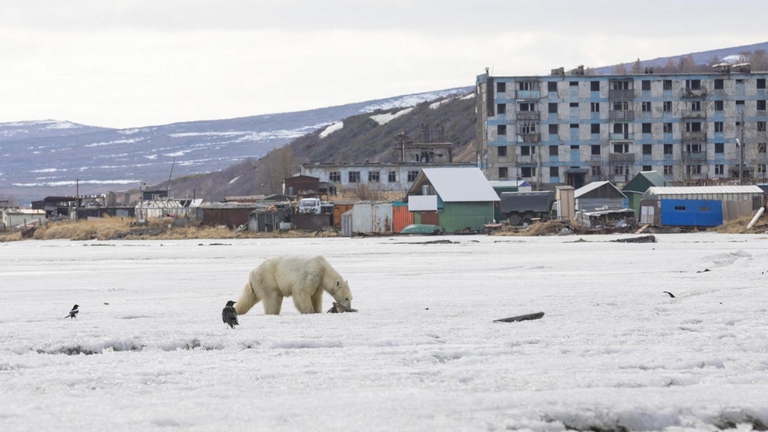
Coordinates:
<point>126,63</point>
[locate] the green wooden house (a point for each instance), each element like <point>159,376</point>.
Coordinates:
<point>454,198</point>
<point>636,187</point>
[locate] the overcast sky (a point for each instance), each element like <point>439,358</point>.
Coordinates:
<point>126,63</point>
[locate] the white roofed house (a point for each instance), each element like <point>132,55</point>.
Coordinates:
<point>455,198</point>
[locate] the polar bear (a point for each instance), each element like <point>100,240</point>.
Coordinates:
<point>303,277</point>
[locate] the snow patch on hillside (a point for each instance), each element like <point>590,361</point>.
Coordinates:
<point>388,117</point>
<point>412,100</point>
<point>331,129</point>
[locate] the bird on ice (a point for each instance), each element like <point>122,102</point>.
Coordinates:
<point>73,313</point>
<point>670,294</point>
<point>229,315</point>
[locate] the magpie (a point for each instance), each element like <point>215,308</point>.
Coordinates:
<point>73,313</point>
<point>229,315</point>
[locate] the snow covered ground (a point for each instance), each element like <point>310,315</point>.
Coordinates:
<point>422,354</point>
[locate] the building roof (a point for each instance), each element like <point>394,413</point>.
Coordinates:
<point>591,187</point>
<point>459,184</point>
<point>695,190</point>
<point>645,179</point>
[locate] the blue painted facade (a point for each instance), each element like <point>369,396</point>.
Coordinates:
<point>692,213</point>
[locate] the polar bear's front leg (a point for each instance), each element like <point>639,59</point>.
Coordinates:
<point>317,300</point>
<point>303,303</point>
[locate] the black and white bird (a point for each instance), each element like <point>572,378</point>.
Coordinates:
<point>73,313</point>
<point>229,314</point>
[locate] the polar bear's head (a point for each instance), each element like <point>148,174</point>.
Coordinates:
<point>342,294</point>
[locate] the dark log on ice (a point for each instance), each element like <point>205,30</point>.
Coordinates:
<point>528,317</point>
<point>641,239</point>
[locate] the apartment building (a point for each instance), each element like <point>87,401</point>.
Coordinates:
<point>571,128</point>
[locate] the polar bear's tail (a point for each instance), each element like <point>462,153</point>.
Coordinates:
<point>247,299</point>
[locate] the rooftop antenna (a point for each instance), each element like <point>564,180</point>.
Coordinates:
<point>169,177</point>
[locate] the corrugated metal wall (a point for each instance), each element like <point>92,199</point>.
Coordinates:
<point>401,217</point>
<point>458,216</point>
<point>695,213</point>
<point>372,218</point>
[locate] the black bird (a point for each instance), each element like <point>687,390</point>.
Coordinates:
<point>229,315</point>
<point>670,294</point>
<point>73,313</point>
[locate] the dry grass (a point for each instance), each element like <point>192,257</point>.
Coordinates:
<point>739,226</point>
<point>551,227</point>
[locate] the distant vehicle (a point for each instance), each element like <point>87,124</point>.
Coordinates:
<point>309,206</point>
<point>422,229</point>
<point>523,207</point>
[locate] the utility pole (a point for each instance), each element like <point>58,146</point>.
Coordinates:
<point>740,143</point>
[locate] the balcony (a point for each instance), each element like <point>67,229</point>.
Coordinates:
<point>528,94</point>
<point>528,115</point>
<point>691,93</point>
<point>694,114</point>
<point>621,157</point>
<point>694,136</point>
<point>621,94</point>
<point>529,137</point>
<point>622,136</point>
<point>615,115</point>
<point>694,156</point>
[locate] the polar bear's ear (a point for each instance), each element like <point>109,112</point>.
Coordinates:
<point>338,283</point>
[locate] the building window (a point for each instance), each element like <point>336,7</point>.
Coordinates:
<point>718,105</point>
<point>501,129</point>
<point>667,106</point>
<point>693,127</point>
<point>647,149</point>
<point>646,85</point>
<point>693,148</point>
<point>595,107</point>
<point>667,127</point>
<point>720,148</point>
<point>695,105</point>
<point>554,172</point>
<point>334,176</point>
<point>667,84</point>
<point>552,86</point>
<point>718,84</point>
<point>761,105</point>
<point>718,127</point>
<point>646,128</point>
<point>412,176</point>
<point>574,83</point>
<point>693,84</point>
<point>761,147</point>
<point>647,168</point>
<point>392,177</point>
<point>527,150</point>
<point>501,87</point>
<point>667,149</point>
<point>596,171</point>
<point>595,149</point>
<point>527,107</point>
<point>621,148</point>
<point>620,169</point>
<point>528,85</point>
<point>354,177</point>
<point>373,176</point>
<point>502,151</point>
<point>595,85</point>
<point>528,172</point>
<point>761,168</point>
<point>761,126</point>
<point>527,127</point>
<point>574,125</point>
<point>620,105</point>
<point>668,169</point>
<point>553,129</point>
<point>693,169</point>
<point>553,150</point>
<point>740,102</point>
<point>645,106</point>
<point>719,169</point>
<point>503,172</point>
<point>501,108</point>
<point>594,128</point>
<point>761,83</point>
<point>552,108</point>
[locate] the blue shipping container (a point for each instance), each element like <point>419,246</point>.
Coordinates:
<point>695,213</point>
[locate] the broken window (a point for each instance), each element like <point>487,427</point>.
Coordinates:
<point>761,126</point>
<point>502,151</point>
<point>667,128</point>
<point>334,176</point>
<point>501,108</point>
<point>527,150</point>
<point>528,85</point>
<point>693,84</point>
<point>693,148</point>
<point>527,171</point>
<point>693,127</point>
<point>695,105</point>
<point>596,171</point>
<point>693,169</point>
<point>667,84</point>
<point>719,169</point>
<point>718,84</point>
<point>667,149</point>
<point>501,129</point>
<point>667,106</point>
<point>620,105</point>
<point>412,176</point>
<point>761,147</point>
<point>503,172</point>
<point>373,176</point>
<point>354,177</point>
<point>668,170</point>
<point>527,127</point>
<point>392,177</point>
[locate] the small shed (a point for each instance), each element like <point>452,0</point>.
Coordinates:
<point>21,218</point>
<point>639,184</point>
<point>601,195</point>
<point>301,185</point>
<point>372,218</point>
<point>737,201</point>
<point>462,198</point>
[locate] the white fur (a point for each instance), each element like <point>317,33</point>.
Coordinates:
<point>304,278</point>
